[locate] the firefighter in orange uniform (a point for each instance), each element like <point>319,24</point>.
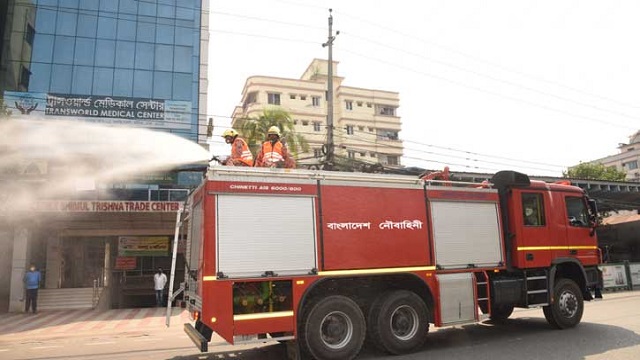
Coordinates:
<point>240,152</point>
<point>273,153</point>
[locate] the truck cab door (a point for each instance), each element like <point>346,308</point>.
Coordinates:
<point>581,241</point>
<point>531,224</point>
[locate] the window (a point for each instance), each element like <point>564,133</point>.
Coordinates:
<point>123,82</point>
<point>67,22</point>
<point>349,105</point>
<point>30,34</point>
<point>360,128</point>
<point>369,105</point>
<point>363,154</point>
<point>164,34</point>
<point>106,27</point>
<point>162,84</point>
<point>315,101</point>
<point>371,129</point>
<point>43,49</point>
<point>316,126</point>
<point>385,110</point>
<point>40,76</point>
<point>125,54</point>
<point>182,59</point>
<point>105,52</point>
<point>144,56</point>
<point>533,209</point>
<point>317,153</point>
<point>61,79</point>
<point>351,154</point>
<point>631,165</point>
<point>164,58</point>
<point>273,99</point>
<point>349,129</point>
<point>577,211</point>
<point>385,134</point>
<point>102,81</point>
<point>182,87</point>
<point>303,97</point>
<point>305,122</point>
<point>250,99</point>
<point>127,30</point>
<point>372,154</point>
<point>63,50</point>
<point>392,160</point>
<point>146,31</point>
<point>87,25</point>
<point>295,122</point>
<point>292,96</point>
<point>85,49</point>
<point>25,74</point>
<point>359,103</point>
<point>82,80</point>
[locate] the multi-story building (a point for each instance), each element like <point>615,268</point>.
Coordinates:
<point>126,62</point>
<point>366,123</point>
<point>627,160</point>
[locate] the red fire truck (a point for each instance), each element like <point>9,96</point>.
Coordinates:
<point>328,259</point>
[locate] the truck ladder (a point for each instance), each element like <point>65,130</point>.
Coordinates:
<point>536,287</point>
<point>482,293</point>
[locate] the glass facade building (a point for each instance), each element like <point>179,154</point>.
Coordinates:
<point>108,59</point>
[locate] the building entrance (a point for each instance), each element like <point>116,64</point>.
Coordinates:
<point>82,262</point>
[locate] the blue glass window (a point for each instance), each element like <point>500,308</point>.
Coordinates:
<point>61,79</point>
<point>162,84</point>
<point>146,8</point>
<point>48,2</point>
<point>42,48</point>
<point>144,56</point>
<point>63,50</point>
<point>182,59</point>
<point>125,54</point>
<point>89,4</point>
<point>82,80</point>
<point>66,24</point>
<point>105,53</point>
<point>72,4</point>
<point>164,57</point>
<point>40,76</point>
<point>87,25</point>
<point>184,13</point>
<point>184,35</point>
<point>166,11</point>
<point>102,81</point>
<point>126,30</point>
<point>45,21</point>
<point>109,5</point>
<point>85,49</point>
<point>129,6</point>
<point>106,28</point>
<point>182,87</point>
<point>146,32</point>
<point>164,34</point>
<point>123,82</point>
<point>142,81</point>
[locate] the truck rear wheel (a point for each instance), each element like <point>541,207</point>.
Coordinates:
<point>334,328</point>
<point>397,322</point>
<point>567,307</point>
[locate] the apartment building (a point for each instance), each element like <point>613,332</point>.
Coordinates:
<point>366,122</point>
<point>627,159</point>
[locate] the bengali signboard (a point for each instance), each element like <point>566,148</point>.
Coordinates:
<point>125,263</point>
<point>143,246</point>
<point>112,110</point>
<point>613,276</point>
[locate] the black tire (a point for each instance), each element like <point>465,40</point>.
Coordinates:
<point>567,306</point>
<point>333,328</point>
<point>499,313</point>
<point>398,322</point>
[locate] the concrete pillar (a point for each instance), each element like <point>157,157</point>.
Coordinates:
<point>54,262</point>
<point>19,264</point>
<point>6,243</point>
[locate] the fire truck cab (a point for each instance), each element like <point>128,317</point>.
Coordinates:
<point>326,259</point>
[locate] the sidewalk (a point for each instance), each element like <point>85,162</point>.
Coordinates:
<point>65,322</point>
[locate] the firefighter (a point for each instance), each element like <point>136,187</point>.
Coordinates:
<point>240,152</point>
<point>273,152</point>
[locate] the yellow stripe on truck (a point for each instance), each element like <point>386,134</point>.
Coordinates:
<point>533,248</point>
<point>375,271</point>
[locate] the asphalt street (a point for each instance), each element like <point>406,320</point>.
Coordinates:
<point>610,329</point>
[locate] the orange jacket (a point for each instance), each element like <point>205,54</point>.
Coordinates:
<point>273,153</point>
<point>240,153</point>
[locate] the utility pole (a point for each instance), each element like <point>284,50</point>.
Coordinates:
<point>330,146</point>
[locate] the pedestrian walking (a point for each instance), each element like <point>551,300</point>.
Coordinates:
<point>159,282</point>
<point>32,284</point>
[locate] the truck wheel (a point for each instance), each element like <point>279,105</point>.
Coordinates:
<point>334,328</point>
<point>398,322</point>
<point>567,307</point>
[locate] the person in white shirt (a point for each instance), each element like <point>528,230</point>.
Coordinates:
<point>159,281</point>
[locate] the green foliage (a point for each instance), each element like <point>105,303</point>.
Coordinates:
<point>254,130</point>
<point>590,171</point>
<point>4,111</point>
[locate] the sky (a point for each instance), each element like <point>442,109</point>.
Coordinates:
<point>532,86</point>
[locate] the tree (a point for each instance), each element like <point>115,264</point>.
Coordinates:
<point>591,171</point>
<point>254,130</point>
<point>4,111</point>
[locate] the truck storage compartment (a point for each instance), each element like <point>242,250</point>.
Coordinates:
<point>456,298</point>
<point>506,291</point>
